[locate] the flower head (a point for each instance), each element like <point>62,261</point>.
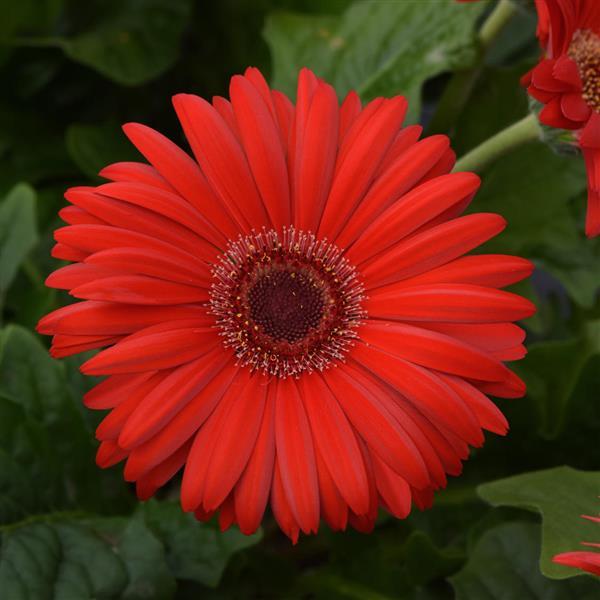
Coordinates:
<point>289,316</point>
<point>585,560</point>
<point>567,82</point>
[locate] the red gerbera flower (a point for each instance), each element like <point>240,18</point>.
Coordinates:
<point>289,317</point>
<point>586,561</point>
<point>567,81</point>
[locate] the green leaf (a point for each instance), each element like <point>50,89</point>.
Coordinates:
<point>63,557</point>
<point>560,495</point>
<point>375,47</point>
<point>18,232</point>
<point>143,555</point>
<point>503,566</point>
<point>196,551</point>
<point>553,370</point>
<point>131,42</point>
<point>44,436</point>
<point>425,561</point>
<point>93,147</point>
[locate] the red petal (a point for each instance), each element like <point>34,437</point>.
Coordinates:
<point>103,318</point>
<point>333,508</point>
<point>262,143</point>
<point>349,111</point>
<point>335,439</point>
<point>281,508</point>
<point>183,174</point>
<point>424,389</point>
<point>136,172</point>
<point>236,439</point>
<point>487,413</point>
<point>410,212</point>
<point>449,302</point>
<point>180,428</point>
<point>586,561</point>
<point>252,490</point>
<point>74,275</point>
<point>175,265</point>
<point>431,248</point>
<point>111,392</point>
<point>148,352</point>
<point>222,159</point>
<point>295,456</point>
<point>376,426</point>
<point>490,270</point>
<point>147,485</point>
<point>315,158</point>
<point>363,150</point>
<point>400,176</point>
<point>432,350</point>
<point>170,396</point>
<point>394,490</point>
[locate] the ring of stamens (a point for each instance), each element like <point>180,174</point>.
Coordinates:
<point>286,303</point>
<point>585,51</point>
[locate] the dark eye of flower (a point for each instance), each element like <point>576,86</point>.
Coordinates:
<point>286,303</point>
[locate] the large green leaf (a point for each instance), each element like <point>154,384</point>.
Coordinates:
<point>18,232</point>
<point>93,147</point>
<point>560,495</point>
<point>553,370</point>
<point>503,566</point>
<point>375,47</point>
<point>195,551</point>
<point>132,42</point>
<point>44,437</point>
<point>63,557</point>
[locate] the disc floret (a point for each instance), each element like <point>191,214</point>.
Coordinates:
<point>286,302</point>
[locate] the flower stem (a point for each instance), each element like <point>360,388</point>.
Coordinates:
<point>517,134</point>
<point>461,84</point>
<point>495,23</point>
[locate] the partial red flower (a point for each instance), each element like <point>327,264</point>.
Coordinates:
<point>585,560</point>
<point>289,316</point>
<point>567,82</point>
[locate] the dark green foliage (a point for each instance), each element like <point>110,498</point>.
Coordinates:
<point>72,73</point>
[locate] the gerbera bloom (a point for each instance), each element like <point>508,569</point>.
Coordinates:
<point>585,560</point>
<point>289,315</point>
<point>567,82</point>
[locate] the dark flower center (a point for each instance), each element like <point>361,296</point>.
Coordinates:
<point>286,303</point>
<point>585,51</point>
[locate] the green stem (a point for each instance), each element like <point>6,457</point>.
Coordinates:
<point>496,22</point>
<point>517,134</point>
<point>461,84</point>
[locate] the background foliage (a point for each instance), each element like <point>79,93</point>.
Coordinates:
<point>71,73</point>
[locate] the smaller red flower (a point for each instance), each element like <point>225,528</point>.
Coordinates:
<point>585,560</point>
<point>567,82</point>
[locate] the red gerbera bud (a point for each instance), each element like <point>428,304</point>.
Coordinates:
<point>586,561</point>
<point>567,82</point>
<point>289,317</point>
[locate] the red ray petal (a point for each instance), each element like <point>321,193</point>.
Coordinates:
<point>449,302</point>
<point>295,456</point>
<point>376,426</point>
<point>170,396</point>
<point>252,490</point>
<point>184,174</point>
<point>431,248</point>
<point>136,172</point>
<point>222,160</point>
<point>262,143</point>
<point>335,439</point>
